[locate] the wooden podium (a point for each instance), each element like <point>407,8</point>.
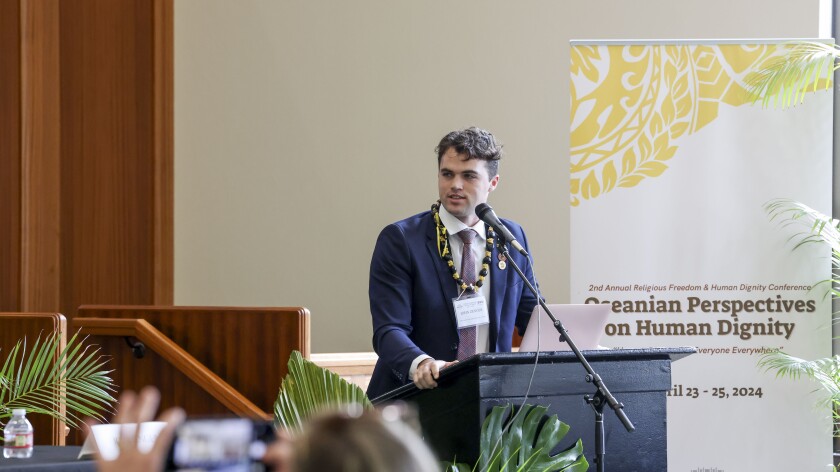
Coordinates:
<point>451,415</point>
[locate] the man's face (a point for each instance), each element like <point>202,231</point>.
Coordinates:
<point>463,184</point>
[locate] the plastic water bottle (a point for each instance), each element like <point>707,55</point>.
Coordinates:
<point>18,435</point>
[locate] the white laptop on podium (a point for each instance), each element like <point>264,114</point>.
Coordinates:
<point>585,324</point>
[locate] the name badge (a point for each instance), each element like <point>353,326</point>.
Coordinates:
<point>471,311</point>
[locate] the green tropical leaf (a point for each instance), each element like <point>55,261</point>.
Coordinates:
<point>43,383</point>
<point>309,389</point>
<point>523,442</point>
<point>783,80</point>
<point>814,228</point>
<point>825,371</point>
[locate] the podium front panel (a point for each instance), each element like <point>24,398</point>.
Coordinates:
<point>452,414</point>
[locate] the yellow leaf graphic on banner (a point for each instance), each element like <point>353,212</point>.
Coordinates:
<point>634,103</point>
<point>652,168</point>
<point>668,111</point>
<point>574,187</point>
<point>669,72</point>
<point>661,143</point>
<point>583,59</point>
<point>678,130</point>
<point>683,105</point>
<point>644,147</point>
<point>655,127</point>
<point>666,154</point>
<point>591,188</point>
<point>609,176</point>
<point>628,162</point>
<point>630,181</point>
<point>679,88</point>
<point>677,55</point>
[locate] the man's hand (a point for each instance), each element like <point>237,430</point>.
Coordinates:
<point>428,372</point>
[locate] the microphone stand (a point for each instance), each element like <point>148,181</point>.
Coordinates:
<point>602,395</point>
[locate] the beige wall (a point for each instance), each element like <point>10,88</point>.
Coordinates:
<point>304,127</point>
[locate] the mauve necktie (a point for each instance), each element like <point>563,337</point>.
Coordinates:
<point>466,346</point>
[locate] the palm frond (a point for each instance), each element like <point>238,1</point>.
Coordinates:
<point>824,371</point>
<point>309,389</point>
<point>793,367</point>
<point>814,228</point>
<point>69,386</point>
<point>783,80</point>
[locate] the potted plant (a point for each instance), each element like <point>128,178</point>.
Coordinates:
<point>69,387</point>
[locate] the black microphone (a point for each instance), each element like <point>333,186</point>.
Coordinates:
<point>486,214</point>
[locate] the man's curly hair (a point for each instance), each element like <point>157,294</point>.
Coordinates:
<point>473,143</point>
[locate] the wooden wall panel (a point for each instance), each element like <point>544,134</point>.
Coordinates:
<point>40,160</point>
<point>86,183</point>
<point>114,242</point>
<point>10,102</point>
<point>106,171</point>
<point>163,150</point>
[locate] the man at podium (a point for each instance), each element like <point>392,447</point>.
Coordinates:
<point>440,291</point>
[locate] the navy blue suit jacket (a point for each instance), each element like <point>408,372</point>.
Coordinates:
<point>411,291</point>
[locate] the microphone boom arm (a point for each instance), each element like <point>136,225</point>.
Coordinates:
<point>602,395</point>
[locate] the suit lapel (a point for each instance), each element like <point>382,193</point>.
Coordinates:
<point>447,283</point>
<point>498,288</point>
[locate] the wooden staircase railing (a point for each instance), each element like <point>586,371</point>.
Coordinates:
<point>210,361</point>
<point>178,357</point>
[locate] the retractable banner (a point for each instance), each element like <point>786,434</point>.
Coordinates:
<point>671,165</point>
